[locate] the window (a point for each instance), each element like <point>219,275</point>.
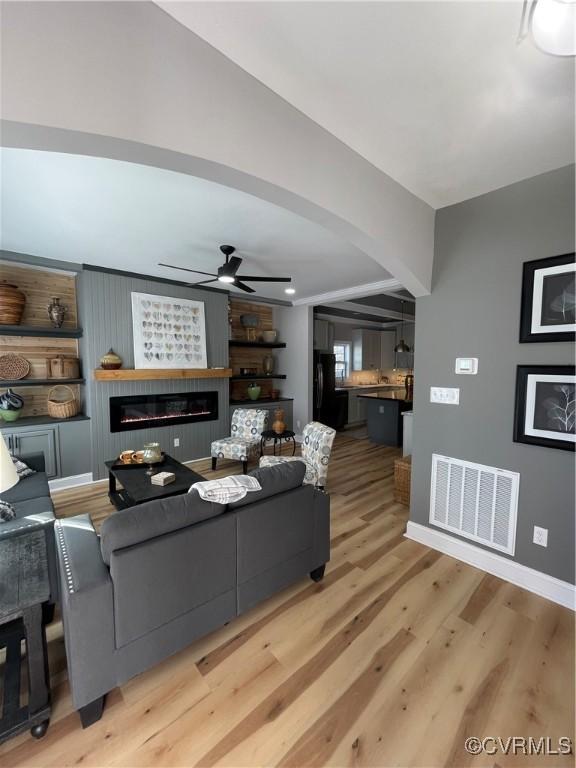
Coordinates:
<point>342,352</point>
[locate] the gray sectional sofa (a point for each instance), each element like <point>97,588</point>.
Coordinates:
<point>167,572</point>
<point>30,497</point>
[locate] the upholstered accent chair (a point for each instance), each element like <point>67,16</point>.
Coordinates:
<point>316,449</point>
<point>244,442</point>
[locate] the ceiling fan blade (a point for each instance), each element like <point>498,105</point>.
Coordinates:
<point>204,282</point>
<point>185,269</point>
<point>233,265</point>
<point>243,287</point>
<point>255,279</point>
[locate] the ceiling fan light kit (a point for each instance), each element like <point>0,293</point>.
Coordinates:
<point>552,24</point>
<point>228,273</point>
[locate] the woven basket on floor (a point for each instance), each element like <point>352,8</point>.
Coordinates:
<point>63,407</point>
<point>402,474</point>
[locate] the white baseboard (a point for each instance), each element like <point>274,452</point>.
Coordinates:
<point>61,483</point>
<point>542,584</point>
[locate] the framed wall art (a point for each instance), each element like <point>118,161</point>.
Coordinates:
<point>168,332</point>
<point>545,406</point>
<point>549,300</point>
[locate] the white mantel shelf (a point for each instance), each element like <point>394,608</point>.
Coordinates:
<point>148,374</point>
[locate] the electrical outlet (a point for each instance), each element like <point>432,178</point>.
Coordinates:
<point>176,442</point>
<point>445,395</point>
<point>540,536</point>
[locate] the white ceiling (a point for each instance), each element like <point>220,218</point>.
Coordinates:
<point>436,94</point>
<point>127,216</point>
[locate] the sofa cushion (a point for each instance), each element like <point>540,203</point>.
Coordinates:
<point>28,488</point>
<point>40,508</point>
<point>274,480</point>
<point>155,518</point>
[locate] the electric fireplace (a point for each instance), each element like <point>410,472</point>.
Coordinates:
<point>145,411</point>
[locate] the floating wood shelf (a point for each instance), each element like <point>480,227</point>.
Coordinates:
<point>261,344</point>
<point>38,382</point>
<point>39,330</point>
<point>259,377</point>
<point>147,374</point>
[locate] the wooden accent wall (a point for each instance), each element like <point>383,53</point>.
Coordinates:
<point>250,357</point>
<point>40,286</point>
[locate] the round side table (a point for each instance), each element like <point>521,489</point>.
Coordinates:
<point>285,436</point>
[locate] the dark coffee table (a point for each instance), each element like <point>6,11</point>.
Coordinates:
<point>137,487</point>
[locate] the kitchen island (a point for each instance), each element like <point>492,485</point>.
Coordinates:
<point>384,415</point>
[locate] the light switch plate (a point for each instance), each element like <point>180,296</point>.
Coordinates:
<point>445,395</point>
<point>466,365</point>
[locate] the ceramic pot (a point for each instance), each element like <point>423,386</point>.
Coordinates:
<point>57,312</point>
<point>274,394</point>
<point>279,425</point>
<point>268,364</point>
<point>10,401</point>
<point>9,415</point>
<point>254,391</point>
<point>12,303</point>
<point>110,361</point>
<point>269,336</point>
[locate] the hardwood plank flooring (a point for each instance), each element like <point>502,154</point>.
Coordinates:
<point>397,657</point>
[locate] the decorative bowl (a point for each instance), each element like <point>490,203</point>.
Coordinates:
<point>270,336</point>
<point>9,415</point>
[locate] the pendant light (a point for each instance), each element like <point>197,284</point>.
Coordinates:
<point>402,346</point>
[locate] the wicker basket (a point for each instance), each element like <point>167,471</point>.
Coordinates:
<point>402,474</point>
<point>63,409</point>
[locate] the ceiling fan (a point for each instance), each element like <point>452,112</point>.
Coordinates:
<point>228,272</point>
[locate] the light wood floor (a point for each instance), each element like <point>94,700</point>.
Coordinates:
<point>397,657</point>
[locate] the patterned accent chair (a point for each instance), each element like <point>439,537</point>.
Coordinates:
<point>244,442</point>
<point>316,449</point>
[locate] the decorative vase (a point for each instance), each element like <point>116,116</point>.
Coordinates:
<point>409,386</point>
<point>110,361</point>
<point>253,391</point>
<point>274,394</point>
<point>57,312</point>
<point>268,364</point>
<point>10,401</point>
<point>279,426</point>
<point>12,303</point>
<point>152,453</point>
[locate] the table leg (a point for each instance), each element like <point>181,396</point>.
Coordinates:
<point>39,691</point>
<point>111,483</point>
<point>293,445</point>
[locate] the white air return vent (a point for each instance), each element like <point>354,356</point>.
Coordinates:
<point>475,501</point>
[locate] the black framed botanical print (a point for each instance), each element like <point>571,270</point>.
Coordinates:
<point>549,299</point>
<point>545,400</point>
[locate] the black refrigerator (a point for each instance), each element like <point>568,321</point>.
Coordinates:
<point>325,406</point>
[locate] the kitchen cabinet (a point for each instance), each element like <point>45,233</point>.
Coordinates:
<point>387,354</point>
<point>45,440</point>
<point>366,350</point>
<point>323,335</point>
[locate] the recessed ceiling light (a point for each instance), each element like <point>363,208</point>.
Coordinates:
<point>290,291</point>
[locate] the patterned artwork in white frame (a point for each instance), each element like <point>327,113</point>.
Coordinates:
<point>168,332</point>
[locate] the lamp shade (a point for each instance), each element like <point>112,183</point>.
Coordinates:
<point>401,346</point>
<point>554,26</point>
<point>8,474</point>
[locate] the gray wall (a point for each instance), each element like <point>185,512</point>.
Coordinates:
<point>474,310</point>
<point>295,325</point>
<point>104,305</point>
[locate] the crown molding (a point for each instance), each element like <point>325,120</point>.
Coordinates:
<point>355,292</point>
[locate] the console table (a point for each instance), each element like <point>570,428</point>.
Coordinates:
<point>24,587</point>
